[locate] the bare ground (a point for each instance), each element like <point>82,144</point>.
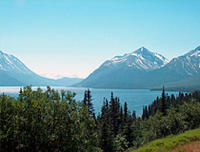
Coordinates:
<point>192,147</point>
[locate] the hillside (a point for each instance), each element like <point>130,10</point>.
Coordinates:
<point>6,80</point>
<point>190,84</point>
<point>172,143</point>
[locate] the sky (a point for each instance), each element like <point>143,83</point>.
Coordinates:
<point>57,38</point>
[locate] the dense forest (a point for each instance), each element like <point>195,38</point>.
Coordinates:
<point>49,120</point>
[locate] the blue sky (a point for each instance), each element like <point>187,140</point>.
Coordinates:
<point>74,37</point>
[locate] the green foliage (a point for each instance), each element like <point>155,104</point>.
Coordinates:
<point>175,123</point>
<point>46,121</point>
<point>120,143</point>
<point>116,126</point>
<point>191,114</point>
<point>179,119</point>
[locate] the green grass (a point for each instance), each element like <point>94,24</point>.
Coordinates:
<point>171,142</point>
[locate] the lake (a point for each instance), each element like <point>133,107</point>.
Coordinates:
<point>135,98</point>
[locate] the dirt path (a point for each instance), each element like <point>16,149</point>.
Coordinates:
<point>192,147</point>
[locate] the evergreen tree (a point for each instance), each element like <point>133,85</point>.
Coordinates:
<point>88,102</point>
<point>145,113</point>
<point>125,112</point>
<point>163,104</point>
<point>134,116</point>
<point>106,136</point>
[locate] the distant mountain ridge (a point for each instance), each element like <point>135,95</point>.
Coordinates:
<point>143,69</point>
<point>14,72</point>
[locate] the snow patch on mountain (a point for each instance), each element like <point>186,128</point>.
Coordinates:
<point>165,60</point>
<point>197,53</point>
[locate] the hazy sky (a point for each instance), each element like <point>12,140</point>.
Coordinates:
<point>74,37</point>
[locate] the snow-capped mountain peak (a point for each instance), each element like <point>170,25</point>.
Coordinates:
<point>142,50</point>
<point>141,59</point>
<point>10,63</point>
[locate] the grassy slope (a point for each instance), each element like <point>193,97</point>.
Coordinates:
<point>169,143</point>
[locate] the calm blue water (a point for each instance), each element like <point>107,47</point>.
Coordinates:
<point>135,98</point>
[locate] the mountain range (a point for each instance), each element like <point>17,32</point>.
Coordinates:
<point>14,73</point>
<point>145,69</point>
<point>139,69</point>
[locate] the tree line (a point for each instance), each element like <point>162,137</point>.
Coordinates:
<point>49,120</point>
